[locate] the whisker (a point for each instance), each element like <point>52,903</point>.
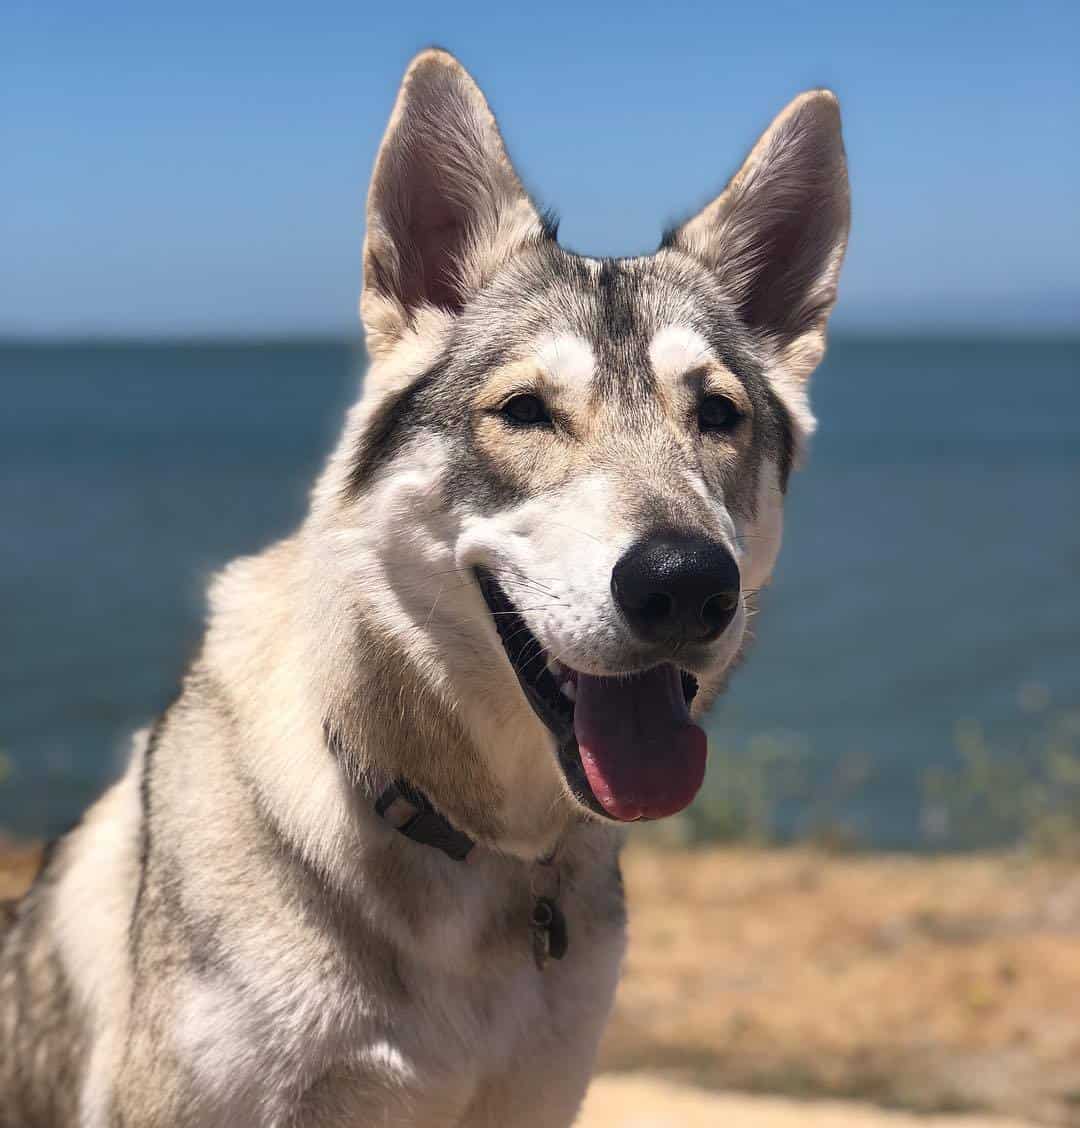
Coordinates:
<point>427,621</point>
<point>574,528</point>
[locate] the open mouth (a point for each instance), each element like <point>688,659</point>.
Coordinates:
<point>626,743</point>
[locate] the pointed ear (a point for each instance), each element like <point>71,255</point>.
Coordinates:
<point>776,236</point>
<point>445,206</point>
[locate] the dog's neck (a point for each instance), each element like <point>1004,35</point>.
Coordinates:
<point>344,677</point>
<point>291,681</point>
<point>411,813</point>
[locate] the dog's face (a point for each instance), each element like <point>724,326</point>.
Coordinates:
<point>576,467</point>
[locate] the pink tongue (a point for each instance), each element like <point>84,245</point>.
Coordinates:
<point>643,756</point>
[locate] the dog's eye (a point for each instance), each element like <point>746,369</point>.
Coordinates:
<point>525,411</point>
<point>718,413</point>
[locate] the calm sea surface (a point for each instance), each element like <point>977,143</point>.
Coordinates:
<point>930,577</point>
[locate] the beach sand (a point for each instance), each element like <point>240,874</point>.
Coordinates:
<point>935,985</point>
<point>645,1102</point>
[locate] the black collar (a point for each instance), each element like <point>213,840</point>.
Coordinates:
<point>410,813</point>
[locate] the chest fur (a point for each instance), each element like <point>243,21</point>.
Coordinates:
<point>407,1030</point>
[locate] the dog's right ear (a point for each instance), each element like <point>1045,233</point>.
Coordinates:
<point>445,207</point>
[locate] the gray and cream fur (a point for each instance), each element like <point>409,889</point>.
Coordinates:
<point>232,936</point>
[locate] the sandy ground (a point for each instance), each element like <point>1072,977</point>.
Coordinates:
<point>764,989</point>
<point>18,864</point>
<point>929,984</point>
<point>644,1102</point>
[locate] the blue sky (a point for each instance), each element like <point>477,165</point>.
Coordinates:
<point>200,168</point>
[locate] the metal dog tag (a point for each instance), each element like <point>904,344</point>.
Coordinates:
<point>549,935</point>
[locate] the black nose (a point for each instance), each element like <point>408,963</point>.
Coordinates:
<point>676,588</point>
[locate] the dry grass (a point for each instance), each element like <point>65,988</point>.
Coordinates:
<point>928,984</point>
<point>948,984</point>
<point>18,864</point>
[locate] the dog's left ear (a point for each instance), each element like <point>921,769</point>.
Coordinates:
<point>776,236</point>
<point>445,206</point>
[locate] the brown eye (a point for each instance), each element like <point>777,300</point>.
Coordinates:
<point>718,413</point>
<point>525,411</point>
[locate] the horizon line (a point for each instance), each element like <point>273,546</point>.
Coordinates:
<point>199,338</point>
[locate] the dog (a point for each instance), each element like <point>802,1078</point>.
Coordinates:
<point>365,869</point>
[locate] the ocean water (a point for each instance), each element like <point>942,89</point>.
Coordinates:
<point>930,578</point>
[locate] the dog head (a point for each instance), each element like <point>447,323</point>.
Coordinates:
<point>565,477</point>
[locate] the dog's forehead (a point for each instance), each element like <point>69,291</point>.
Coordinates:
<point>570,359</point>
<point>617,324</point>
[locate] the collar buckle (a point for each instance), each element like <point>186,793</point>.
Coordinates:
<point>410,813</point>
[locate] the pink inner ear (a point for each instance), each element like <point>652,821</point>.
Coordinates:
<point>430,234</point>
<point>791,248</point>
<point>441,178</point>
<point>440,244</point>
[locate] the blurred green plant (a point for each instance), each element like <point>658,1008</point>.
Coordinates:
<point>745,788</point>
<point>749,785</point>
<point>746,784</point>
<point>1028,794</point>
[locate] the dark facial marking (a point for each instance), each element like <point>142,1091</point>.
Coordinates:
<point>385,433</point>
<point>783,435</point>
<point>145,836</point>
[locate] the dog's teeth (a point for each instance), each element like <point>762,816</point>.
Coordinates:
<point>569,690</point>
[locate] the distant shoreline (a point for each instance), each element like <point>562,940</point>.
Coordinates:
<point>957,335</point>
